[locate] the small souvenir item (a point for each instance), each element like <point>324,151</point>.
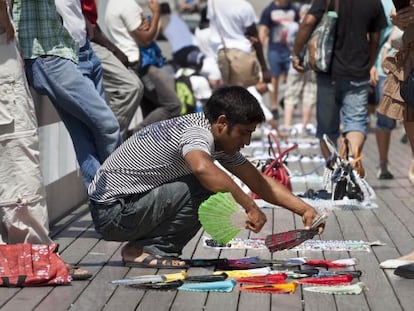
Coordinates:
<point>271,289</point>
<point>353,289</point>
<point>288,239</point>
<point>145,279</point>
<point>222,217</point>
<point>220,286</point>
<point>244,273</point>
<point>344,279</point>
<point>340,263</point>
<point>275,278</point>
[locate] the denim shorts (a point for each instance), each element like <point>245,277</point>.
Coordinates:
<point>279,61</point>
<point>340,100</point>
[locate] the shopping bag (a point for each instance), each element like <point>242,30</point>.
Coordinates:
<point>276,168</point>
<point>24,265</point>
<point>320,46</point>
<point>238,67</point>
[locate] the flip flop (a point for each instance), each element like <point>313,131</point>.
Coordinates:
<point>77,273</point>
<point>161,263</point>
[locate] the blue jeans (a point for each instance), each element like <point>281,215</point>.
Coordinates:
<point>161,221</point>
<point>341,100</point>
<point>90,122</point>
<point>90,66</point>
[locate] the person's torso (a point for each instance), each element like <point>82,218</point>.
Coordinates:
<point>41,32</point>
<point>117,20</point>
<point>178,34</point>
<point>280,22</point>
<point>355,20</point>
<point>230,24</point>
<point>154,156</point>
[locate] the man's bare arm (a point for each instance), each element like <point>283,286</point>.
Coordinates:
<point>215,179</point>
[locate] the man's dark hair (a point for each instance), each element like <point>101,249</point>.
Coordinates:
<point>239,106</point>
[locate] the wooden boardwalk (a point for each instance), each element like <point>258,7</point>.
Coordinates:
<point>391,223</point>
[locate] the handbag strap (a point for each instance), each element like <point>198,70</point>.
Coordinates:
<point>219,24</point>
<point>273,139</point>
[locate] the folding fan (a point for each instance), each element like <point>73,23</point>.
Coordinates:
<point>288,239</point>
<point>221,217</point>
<point>292,238</point>
<point>353,289</point>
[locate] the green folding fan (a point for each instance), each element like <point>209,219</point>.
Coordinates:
<point>221,217</point>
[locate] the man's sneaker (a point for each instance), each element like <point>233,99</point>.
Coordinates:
<point>384,174</point>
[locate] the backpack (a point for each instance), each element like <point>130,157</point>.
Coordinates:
<point>25,264</point>
<point>185,94</point>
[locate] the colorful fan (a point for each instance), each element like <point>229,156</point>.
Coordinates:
<point>292,238</point>
<point>221,217</point>
<point>271,288</point>
<point>288,239</point>
<point>353,289</point>
<point>344,279</point>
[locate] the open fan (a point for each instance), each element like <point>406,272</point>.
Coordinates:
<point>221,217</point>
<point>292,238</point>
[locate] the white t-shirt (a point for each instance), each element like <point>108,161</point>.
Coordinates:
<point>231,21</point>
<point>73,19</point>
<point>117,19</point>
<point>178,34</point>
<point>210,67</point>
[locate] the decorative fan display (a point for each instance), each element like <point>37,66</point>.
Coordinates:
<point>221,217</point>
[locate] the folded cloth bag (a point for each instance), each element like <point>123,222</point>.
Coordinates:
<point>24,264</point>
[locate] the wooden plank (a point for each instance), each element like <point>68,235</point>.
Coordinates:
<point>6,295</point>
<point>187,300</point>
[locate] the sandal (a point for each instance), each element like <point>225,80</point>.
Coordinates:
<point>160,263</point>
<point>78,274</point>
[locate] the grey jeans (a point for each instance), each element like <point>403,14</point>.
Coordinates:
<point>160,221</point>
<point>123,88</point>
<point>160,100</point>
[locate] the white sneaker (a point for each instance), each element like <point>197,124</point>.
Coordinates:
<point>394,263</point>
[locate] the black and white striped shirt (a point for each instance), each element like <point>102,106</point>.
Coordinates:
<point>154,156</point>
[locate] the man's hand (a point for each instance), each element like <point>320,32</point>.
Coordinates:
<point>373,76</point>
<point>297,64</point>
<point>267,76</point>
<point>308,218</point>
<point>257,219</point>
<point>145,24</point>
<point>154,6</point>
